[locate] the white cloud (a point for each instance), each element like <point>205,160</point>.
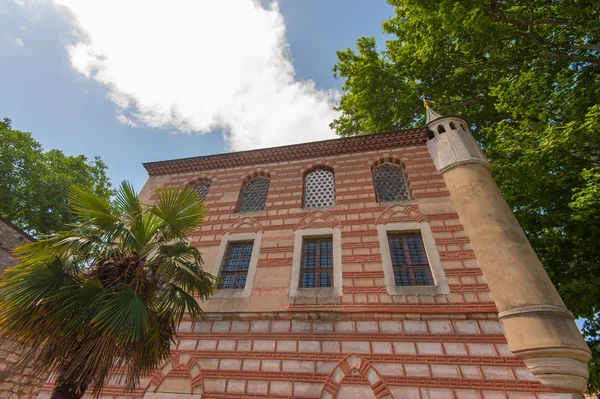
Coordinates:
<point>197,65</point>
<point>19,42</point>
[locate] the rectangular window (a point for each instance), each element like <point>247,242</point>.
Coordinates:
<point>234,270</point>
<point>316,269</point>
<point>409,259</point>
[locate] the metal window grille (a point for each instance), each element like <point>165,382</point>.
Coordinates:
<point>319,189</point>
<point>390,183</point>
<point>409,259</point>
<point>254,197</point>
<point>317,263</point>
<point>234,270</point>
<point>201,189</point>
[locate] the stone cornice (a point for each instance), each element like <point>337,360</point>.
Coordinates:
<point>371,142</point>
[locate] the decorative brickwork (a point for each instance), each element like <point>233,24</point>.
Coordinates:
<point>360,341</point>
<point>19,383</point>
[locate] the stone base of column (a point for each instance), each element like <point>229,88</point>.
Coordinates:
<point>563,369</point>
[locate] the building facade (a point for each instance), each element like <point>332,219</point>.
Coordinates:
<point>19,382</point>
<point>381,266</point>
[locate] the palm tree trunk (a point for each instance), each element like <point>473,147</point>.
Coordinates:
<point>65,387</point>
<point>66,390</point>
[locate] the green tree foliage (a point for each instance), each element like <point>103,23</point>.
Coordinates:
<point>526,76</point>
<point>108,293</point>
<point>34,183</point>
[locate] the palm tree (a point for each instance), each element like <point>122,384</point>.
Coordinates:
<point>109,293</point>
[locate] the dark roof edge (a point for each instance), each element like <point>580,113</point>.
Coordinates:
<point>152,163</point>
<point>23,233</point>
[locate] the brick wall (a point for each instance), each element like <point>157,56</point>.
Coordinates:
<point>22,383</point>
<point>362,344</point>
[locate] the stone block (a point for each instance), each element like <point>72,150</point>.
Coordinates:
<point>240,326</point>
<point>390,369</point>
<point>436,393</point>
<point>466,327</point>
<point>263,345</point>
<point>444,371</point>
<point>309,346</point>
<point>257,387</point>
<point>497,373</point>
<point>390,327</point>
<point>381,347</point>
<point>455,349</point>
<point>481,349</point>
<point>429,348</point>
<point>466,394</point>
<point>230,364</point>
<point>440,327</point>
<point>416,370</point>
<point>286,346</point>
<point>331,346</point>
<point>298,366</point>
<point>221,326</point>
<point>280,326</point>
<point>259,326</point>
<point>404,348</point>
<point>356,346</point>
<point>236,385</point>
<point>206,345</point>
<point>324,327</point>
<point>270,365</point>
<point>415,327</point>
<point>344,327</point>
<point>280,388</point>
<point>301,326</point>
<point>491,327</point>
<point>226,345</point>
<point>367,327</point>
<point>251,364</point>
<point>470,372</point>
<point>307,389</point>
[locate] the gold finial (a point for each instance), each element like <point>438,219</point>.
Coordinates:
<point>425,103</point>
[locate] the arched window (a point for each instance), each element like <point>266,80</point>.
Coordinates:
<point>319,189</point>
<point>202,188</point>
<point>254,196</point>
<point>390,183</point>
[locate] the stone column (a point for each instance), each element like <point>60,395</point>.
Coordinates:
<point>538,327</point>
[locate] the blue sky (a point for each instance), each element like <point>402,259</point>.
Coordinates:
<point>140,83</point>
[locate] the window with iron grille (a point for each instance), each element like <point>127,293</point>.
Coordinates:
<point>234,270</point>
<point>319,189</point>
<point>409,259</point>
<point>390,183</point>
<point>201,189</point>
<point>316,269</point>
<point>254,197</point>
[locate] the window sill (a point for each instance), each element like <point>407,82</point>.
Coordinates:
<point>319,292</point>
<point>403,290</point>
<point>231,293</point>
<point>241,215</point>
<point>385,204</point>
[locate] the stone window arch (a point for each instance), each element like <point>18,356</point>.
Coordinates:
<point>319,188</point>
<point>254,194</point>
<point>390,182</point>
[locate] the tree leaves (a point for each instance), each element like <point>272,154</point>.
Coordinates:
<point>526,75</point>
<point>34,183</point>
<point>110,291</point>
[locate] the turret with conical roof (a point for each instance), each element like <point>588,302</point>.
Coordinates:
<point>450,142</point>
<point>537,326</point>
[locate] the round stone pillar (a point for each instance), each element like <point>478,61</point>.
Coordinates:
<point>538,327</point>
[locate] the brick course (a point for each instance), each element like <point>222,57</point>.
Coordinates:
<point>365,342</point>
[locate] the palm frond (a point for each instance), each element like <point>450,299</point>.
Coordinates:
<point>89,207</point>
<point>180,209</point>
<point>123,314</point>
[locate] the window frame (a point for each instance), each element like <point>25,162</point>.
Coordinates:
<point>440,286</point>
<point>238,208</point>
<point>236,273</point>
<point>202,181</point>
<point>256,239</point>
<point>328,169</point>
<point>336,237</point>
<point>318,267</point>
<point>406,183</point>
<point>410,266</point>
